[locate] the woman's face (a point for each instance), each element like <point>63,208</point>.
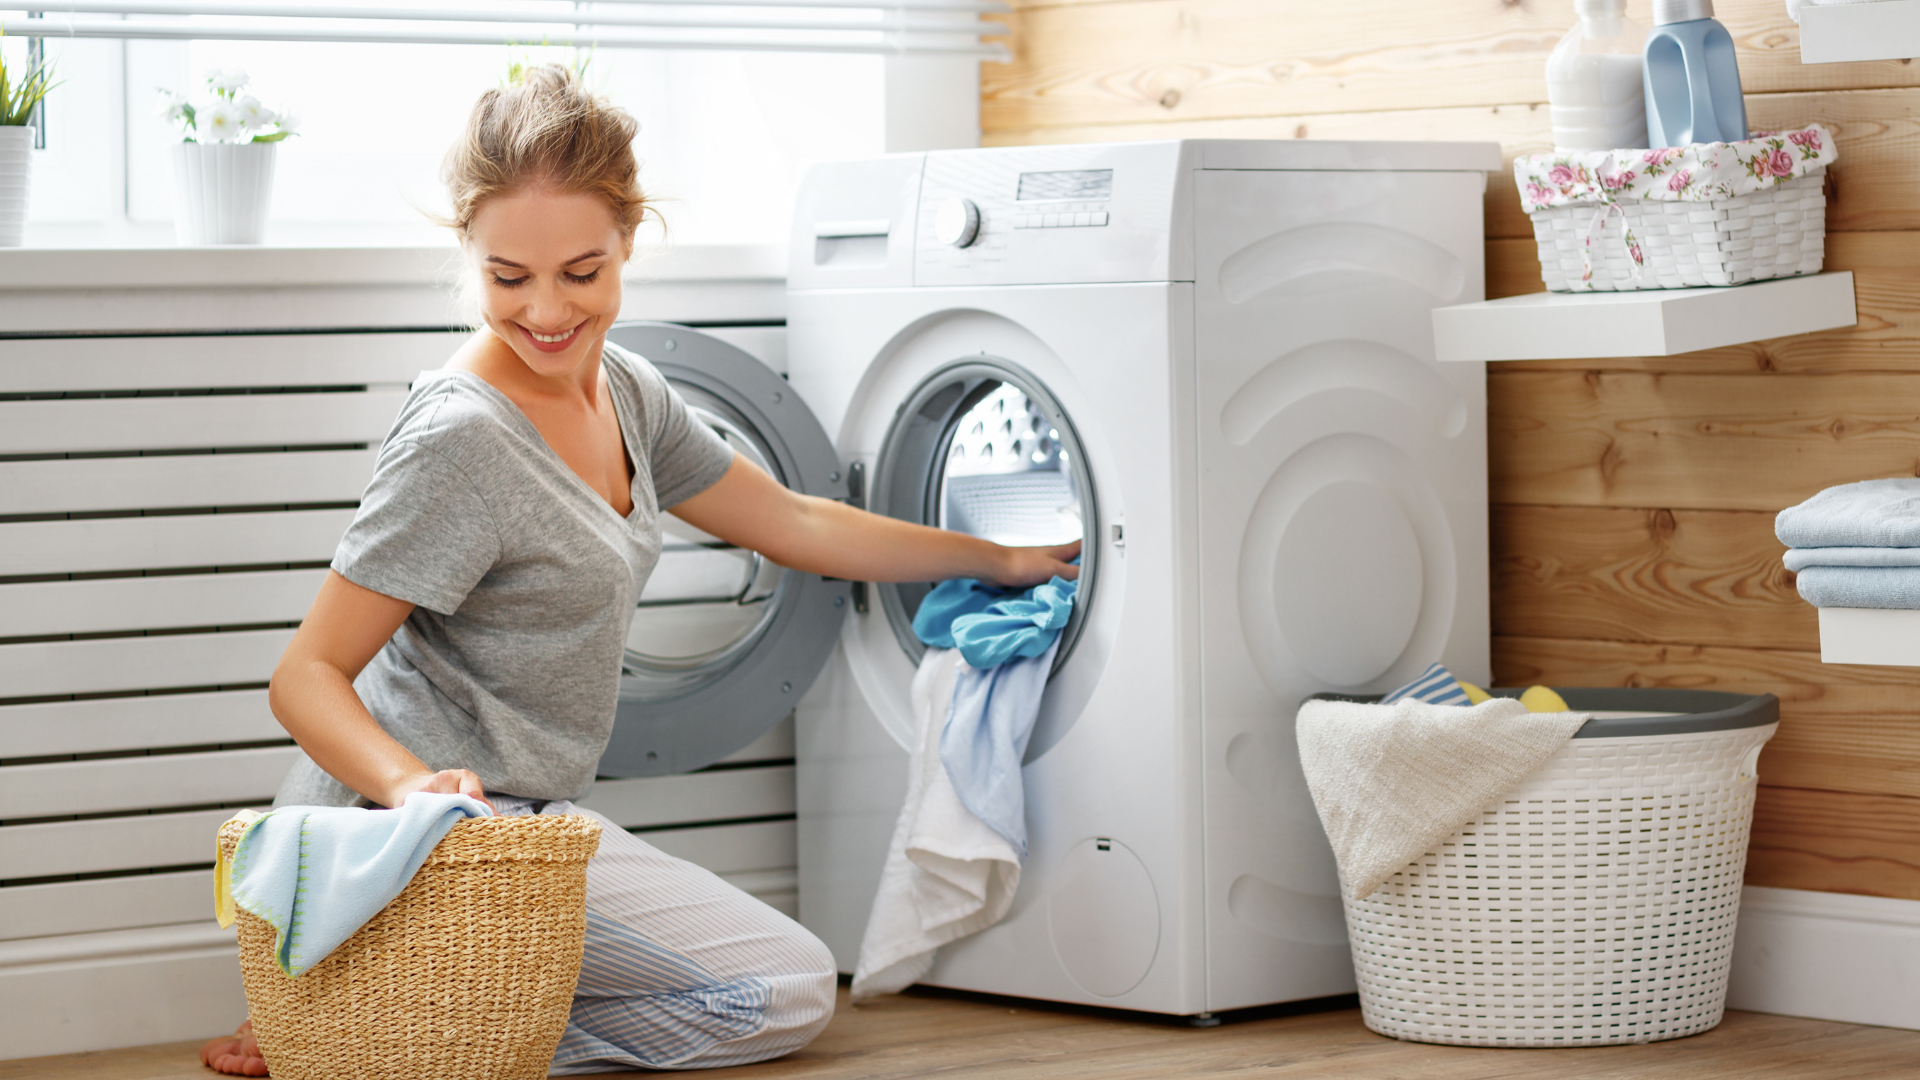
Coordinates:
<point>549,266</point>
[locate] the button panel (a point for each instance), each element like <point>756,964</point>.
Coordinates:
<point>1060,216</point>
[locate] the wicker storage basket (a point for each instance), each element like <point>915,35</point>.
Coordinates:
<point>1778,232</point>
<point>467,974</point>
<point>1595,905</point>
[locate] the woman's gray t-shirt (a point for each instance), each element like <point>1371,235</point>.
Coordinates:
<point>524,579</point>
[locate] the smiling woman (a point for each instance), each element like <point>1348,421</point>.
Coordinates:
<point>469,634</point>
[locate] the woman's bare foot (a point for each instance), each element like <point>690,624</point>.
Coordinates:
<point>236,1054</point>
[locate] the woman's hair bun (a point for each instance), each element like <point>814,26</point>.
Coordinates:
<point>545,128</point>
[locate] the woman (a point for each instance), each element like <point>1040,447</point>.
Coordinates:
<point>469,634</point>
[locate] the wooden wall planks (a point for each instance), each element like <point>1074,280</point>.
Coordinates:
<point>1633,497</point>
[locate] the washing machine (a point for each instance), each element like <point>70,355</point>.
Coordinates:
<point>1212,362</point>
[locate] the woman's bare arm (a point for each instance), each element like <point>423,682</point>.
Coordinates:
<point>312,696</point>
<point>750,509</point>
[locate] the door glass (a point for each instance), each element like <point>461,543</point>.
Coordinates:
<point>707,600</point>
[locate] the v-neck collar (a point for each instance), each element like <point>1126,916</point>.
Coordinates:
<point>620,420</point>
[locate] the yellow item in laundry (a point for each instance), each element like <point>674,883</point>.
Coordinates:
<point>1475,695</point>
<point>1541,699</point>
<point>223,906</point>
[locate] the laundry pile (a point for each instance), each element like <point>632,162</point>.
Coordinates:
<point>954,862</point>
<point>317,874</point>
<point>1856,545</point>
<point>1392,779</point>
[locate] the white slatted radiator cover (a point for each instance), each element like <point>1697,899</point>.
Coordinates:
<point>168,505</point>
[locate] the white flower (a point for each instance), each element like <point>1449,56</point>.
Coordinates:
<point>173,107</point>
<point>227,80</point>
<point>222,123</point>
<point>288,120</point>
<point>254,114</point>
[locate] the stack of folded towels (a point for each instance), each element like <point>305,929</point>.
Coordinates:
<point>1856,545</point>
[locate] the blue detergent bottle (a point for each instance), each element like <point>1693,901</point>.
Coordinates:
<point>1693,82</point>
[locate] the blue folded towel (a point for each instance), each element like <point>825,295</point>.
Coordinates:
<point>991,625</point>
<point>1436,686</point>
<point>1871,513</point>
<point>1895,587</point>
<point>1799,559</point>
<point>316,874</point>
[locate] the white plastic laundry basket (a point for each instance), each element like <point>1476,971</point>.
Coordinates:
<point>1596,904</point>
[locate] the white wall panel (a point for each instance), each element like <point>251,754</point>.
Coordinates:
<point>161,985</point>
<point>66,485</point>
<point>105,665</point>
<point>188,362</point>
<point>102,844</point>
<point>184,540</point>
<point>165,423</point>
<point>110,785</point>
<point>83,907</point>
<point>103,725</point>
<point>99,605</point>
<point>729,849</point>
<point>710,796</point>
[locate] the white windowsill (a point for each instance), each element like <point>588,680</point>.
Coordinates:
<point>136,265</point>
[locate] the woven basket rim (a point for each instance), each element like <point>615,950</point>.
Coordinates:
<point>525,838</point>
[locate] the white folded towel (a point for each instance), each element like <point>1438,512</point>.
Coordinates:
<point>1392,781</point>
<point>1794,6</point>
<point>947,873</point>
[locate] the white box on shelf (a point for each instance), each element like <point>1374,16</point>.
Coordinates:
<point>1657,322</point>
<point>1836,33</point>
<point>1869,636</point>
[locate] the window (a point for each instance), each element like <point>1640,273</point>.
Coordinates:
<point>724,136</point>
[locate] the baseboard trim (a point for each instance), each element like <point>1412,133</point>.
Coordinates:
<point>1828,956</point>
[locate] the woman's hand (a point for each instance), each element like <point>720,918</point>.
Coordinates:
<point>1024,567</point>
<point>444,782</point>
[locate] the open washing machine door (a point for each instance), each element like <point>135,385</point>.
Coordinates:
<point>724,642</point>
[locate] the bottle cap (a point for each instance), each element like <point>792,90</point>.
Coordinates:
<point>1673,11</point>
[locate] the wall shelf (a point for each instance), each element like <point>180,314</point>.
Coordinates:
<point>1652,322</point>
<point>1882,30</point>
<point>1870,636</point>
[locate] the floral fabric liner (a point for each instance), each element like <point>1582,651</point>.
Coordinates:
<point>1694,173</point>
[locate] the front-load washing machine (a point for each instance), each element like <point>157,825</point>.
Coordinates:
<point>1211,361</point>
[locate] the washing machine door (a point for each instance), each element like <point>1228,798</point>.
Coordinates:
<point>724,641</point>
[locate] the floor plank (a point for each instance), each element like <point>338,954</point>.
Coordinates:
<point>959,1038</point>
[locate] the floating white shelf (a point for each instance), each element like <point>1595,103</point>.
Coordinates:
<point>1869,636</point>
<point>1882,30</point>
<point>1651,322</point>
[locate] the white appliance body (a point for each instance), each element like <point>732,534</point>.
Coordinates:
<point>1288,497</point>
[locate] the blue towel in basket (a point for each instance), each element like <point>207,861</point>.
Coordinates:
<point>316,874</point>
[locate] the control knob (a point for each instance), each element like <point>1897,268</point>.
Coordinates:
<point>957,222</point>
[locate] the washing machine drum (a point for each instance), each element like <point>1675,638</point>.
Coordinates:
<point>982,446</point>
<point>724,641</point>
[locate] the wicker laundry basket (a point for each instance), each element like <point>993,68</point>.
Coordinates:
<point>1679,217</point>
<point>467,975</point>
<point>1779,232</point>
<point>1596,904</point>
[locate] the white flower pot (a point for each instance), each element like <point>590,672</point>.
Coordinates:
<point>16,155</point>
<point>221,192</point>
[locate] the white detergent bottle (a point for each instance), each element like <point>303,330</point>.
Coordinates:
<point>1595,86</point>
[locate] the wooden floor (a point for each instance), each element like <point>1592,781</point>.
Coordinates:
<point>920,1034</point>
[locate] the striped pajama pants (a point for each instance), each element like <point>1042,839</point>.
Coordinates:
<point>682,970</point>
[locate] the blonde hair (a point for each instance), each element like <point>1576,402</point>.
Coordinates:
<point>544,128</point>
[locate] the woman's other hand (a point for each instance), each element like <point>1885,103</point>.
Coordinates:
<point>1024,567</point>
<point>444,782</point>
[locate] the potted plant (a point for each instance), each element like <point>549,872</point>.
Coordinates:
<point>223,165</point>
<point>18,99</point>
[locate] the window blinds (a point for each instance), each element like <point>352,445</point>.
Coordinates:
<point>939,27</point>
